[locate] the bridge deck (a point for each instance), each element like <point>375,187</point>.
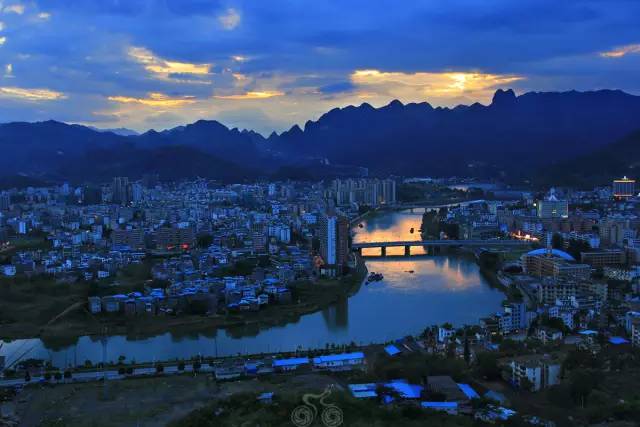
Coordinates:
<point>363,245</point>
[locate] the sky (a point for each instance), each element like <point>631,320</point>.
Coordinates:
<point>269,64</point>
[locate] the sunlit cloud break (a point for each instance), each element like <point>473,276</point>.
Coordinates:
<point>230,19</point>
<point>163,67</point>
<point>621,51</point>
<point>424,84</point>
<point>14,8</point>
<point>155,99</point>
<point>252,95</point>
<point>31,94</point>
<point>3,40</point>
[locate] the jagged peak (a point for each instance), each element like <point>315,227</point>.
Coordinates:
<point>394,104</point>
<point>503,97</point>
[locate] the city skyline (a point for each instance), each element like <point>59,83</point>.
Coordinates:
<point>266,67</point>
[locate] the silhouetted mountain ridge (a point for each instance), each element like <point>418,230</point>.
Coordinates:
<point>513,136</point>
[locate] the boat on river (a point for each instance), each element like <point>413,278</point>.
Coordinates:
<point>374,277</point>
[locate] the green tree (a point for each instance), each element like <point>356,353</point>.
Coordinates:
<point>582,382</point>
<point>487,365</point>
<point>467,350</point>
<point>557,241</point>
<point>204,240</point>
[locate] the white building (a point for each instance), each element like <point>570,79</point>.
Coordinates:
<point>445,333</point>
<point>540,371</point>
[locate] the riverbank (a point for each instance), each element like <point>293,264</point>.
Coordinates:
<point>310,296</point>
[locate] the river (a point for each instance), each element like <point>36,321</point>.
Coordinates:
<point>415,293</point>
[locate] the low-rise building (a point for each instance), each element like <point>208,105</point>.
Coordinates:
<point>337,361</point>
<point>535,372</point>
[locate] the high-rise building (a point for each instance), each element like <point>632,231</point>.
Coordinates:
<point>121,190</point>
<point>624,188</point>
<point>171,237</point>
<point>334,242</point>
<point>370,192</point>
<point>136,192</point>
<point>5,201</point>
<point>132,237</point>
<point>259,237</point>
<point>552,207</point>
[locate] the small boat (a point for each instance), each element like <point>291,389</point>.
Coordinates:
<point>411,231</point>
<point>361,225</point>
<point>409,271</point>
<point>374,277</point>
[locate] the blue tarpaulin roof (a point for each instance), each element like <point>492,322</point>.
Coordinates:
<point>468,391</point>
<point>338,357</point>
<point>391,350</point>
<point>362,387</point>
<point>291,362</point>
<point>439,405</point>
<point>364,394</point>
<point>405,390</point>
<point>618,340</point>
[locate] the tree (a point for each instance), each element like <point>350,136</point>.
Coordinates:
<point>557,241</point>
<point>526,384</point>
<point>159,368</point>
<point>204,240</point>
<point>576,247</point>
<point>181,366</point>
<point>27,376</point>
<point>582,383</point>
<point>488,365</point>
<point>467,350</point>
<point>67,374</point>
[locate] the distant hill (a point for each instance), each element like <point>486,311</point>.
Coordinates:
<point>212,137</point>
<point>33,149</point>
<point>117,131</point>
<point>598,167</point>
<point>514,134</point>
<point>170,161</point>
<point>514,137</point>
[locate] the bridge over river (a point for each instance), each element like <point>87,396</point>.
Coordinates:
<point>430,245</point>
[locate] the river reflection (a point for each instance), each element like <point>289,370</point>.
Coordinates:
<point>415,293</point>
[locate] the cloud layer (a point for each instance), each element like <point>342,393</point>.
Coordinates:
<point>270,64</point>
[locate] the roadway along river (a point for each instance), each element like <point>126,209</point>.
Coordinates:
<point>415,293</point>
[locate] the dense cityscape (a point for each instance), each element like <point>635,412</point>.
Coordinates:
<point>276,213</point>
<point>148,256</point>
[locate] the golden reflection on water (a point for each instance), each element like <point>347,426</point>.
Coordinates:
<point>430,274</point>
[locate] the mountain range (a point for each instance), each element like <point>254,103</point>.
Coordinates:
<point>514,137</point>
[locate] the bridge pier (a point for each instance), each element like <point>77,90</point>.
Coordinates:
<point>407,250</point>
<point>383,251</point>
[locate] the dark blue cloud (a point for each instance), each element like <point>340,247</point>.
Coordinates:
<point>296,46</point>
